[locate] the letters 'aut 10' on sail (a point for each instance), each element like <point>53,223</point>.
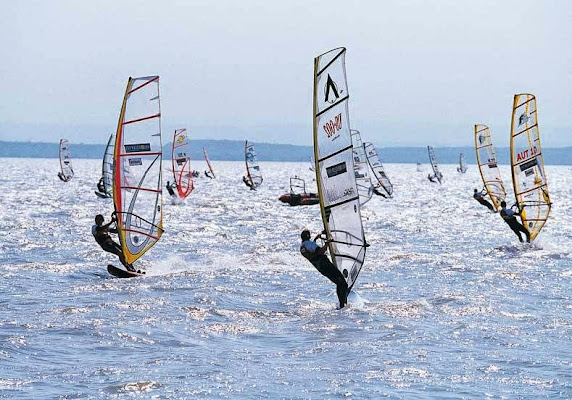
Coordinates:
<point>436,173</point>
<point>335,176</point>
<point>377,168</point>
<point>137,194</point>
<point>180,158</point>
<point>65,161</point>
<point>253,172</point>
<point>488,167</point>
<point>208,162</point>
<point>528,177</point>
<point>361,170</point>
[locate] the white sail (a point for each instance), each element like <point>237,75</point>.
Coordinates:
<point>436,173</point>
<point>488,166</point>
<point>527,165</point>
<point>377,168</point>
<point>107,167</point>
<point>208,162</point>
<point>361,169</point>
<point>181,163</point>
<point>335,176</point>
<point>462,168</point>
<point>253,172</point>
<point>137,174</point>
<point>65,161</point>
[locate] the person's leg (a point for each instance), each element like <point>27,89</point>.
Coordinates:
<point>516,230</point>
<point>489,205</point>
<point>118,251</point>
<point>330,271</point>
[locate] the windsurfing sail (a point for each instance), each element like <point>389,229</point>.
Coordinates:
<point>488,167</point>
<point>253,173</point>
<point>208,162</point>
<point>377,168</point>
<point>363,180</point>
<point>462,168</point>
<point>107,167</point>
<point>335,176</point>
<point>65,161</point>
<point>436,173</point>
<point>312,166</point>
<point>137,173</point>
<point>180,158</point>
<point>527,165</point>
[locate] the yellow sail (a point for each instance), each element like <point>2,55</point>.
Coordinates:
<point>527,165</point>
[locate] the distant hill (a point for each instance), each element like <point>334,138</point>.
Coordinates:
<point>233,150</point>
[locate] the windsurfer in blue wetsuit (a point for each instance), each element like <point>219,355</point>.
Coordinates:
<point>316,255</point>
<point>101,234</point>
<point>509,216</point>
<point>479,196</point>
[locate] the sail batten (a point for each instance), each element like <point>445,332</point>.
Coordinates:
<point>334,166</point>
<point>527,165</point>
<point>137,173</point>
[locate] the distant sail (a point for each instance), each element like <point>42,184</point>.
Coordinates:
<point>436,173</point>
<point>377,168</point>
<point>66,168</point>
<point>488,167</point>
<point>312,166</point>
<point>180,158</point>
<point>527,165</point>
<point>361,169</point>
<point>462,168</point>
<point>137,186</point>
<point>208,162</point>
<point>253,172</point>
<point>419,169</point>
<point>107,168</point>
<point>335,176</point>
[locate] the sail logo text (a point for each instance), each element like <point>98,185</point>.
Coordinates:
<point>526,154</point>
<point>333,126</point>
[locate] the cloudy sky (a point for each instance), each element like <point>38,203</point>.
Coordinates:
<point>419,71</point>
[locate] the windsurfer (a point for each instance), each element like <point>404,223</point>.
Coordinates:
<point>509,216</point>
<point>61,176</point>
<point>377,192</point>
<point>316,255</point>
<point>248,183</point>
<point>432,178</point>
<point>208,174</point>
<point>101,186</point>
<point>170,188</point>
<point>101,234</point>
<point>479,196</point>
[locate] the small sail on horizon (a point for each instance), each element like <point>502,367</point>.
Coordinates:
<point>378,170</point>
<point>462,168</point>
<point>66,170</point>
<point>433,160</point>
<point>527,165</point>
<point>488,166</point>
<point>137,173</point>
<point>335,176</point>
<point>105,190</point>
<point>181,163</point>
<point>206,155</point>
<point>253,172</point>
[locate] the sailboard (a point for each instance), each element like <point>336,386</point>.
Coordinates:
<point>462,168</point>
<point>253,172</point>
<point>527,165</point>
<point>107,169</point>
<point>181,163</point>
<point>377,168</point>
<point>137,173</point>
<point>208,162</point>
<point>488,166</point>
<point>66,169</point>
<point>335,176</point>
<point>436,173</point>
<point>363,180</point>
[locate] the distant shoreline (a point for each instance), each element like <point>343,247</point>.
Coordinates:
<point>233,150</point>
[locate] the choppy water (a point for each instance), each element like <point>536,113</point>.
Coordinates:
<point>449,304</point>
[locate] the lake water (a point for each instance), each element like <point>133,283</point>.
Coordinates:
<point>449,304</point>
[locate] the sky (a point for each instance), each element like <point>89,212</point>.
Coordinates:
<point>419,71</point>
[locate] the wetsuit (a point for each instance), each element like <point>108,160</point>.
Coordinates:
<point>61,176</point>
<point>431,178</point>
<point>377,192</point>
<point>101,186</point>
<point>315,254</point>
<point>208,175</point>
<point>247,183</point>
<point>479,197</point>
<point>170,189</point>
<point>101,235</point>
<point>509,217</point>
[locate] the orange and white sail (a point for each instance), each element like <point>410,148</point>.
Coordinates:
<point>137,174</point>
<point>181,163</point>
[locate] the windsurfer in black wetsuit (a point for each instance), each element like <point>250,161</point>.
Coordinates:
<point>247,182</point>
<point>432,178</point>
<point>101,186</point>
<point>208,175</point>
<point>509,216</point>
<point>479,196</point>
<point>101,234</point>
<point>61,176</point>
<point>377,192</point>
<point>316,255</point>
<point>170,189</point>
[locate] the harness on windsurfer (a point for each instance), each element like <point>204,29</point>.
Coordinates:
<point>101,234</point>
<point>101,185</point>
<point>509,216</point>
<point>479,196</point>
<point>316,255</point>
